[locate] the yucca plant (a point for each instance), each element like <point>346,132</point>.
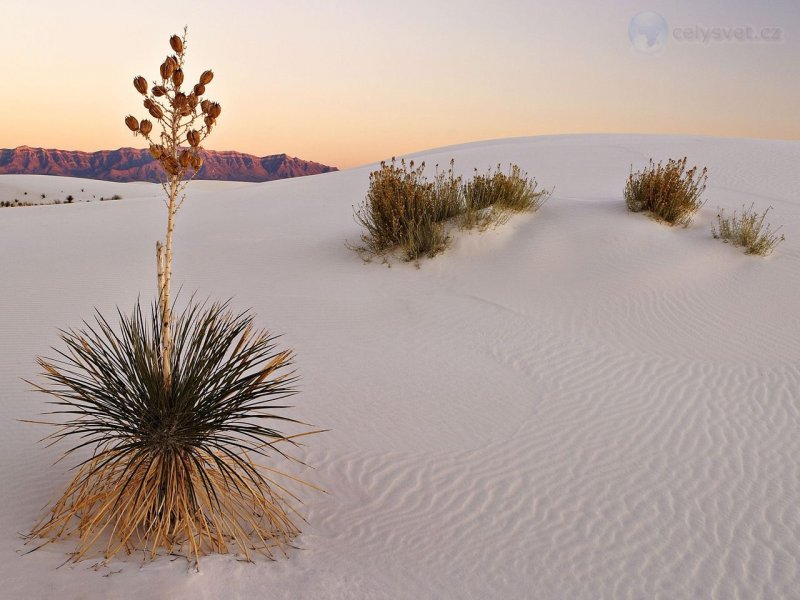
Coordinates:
<point>175,411</point>
<point>174,468</point>
<point>670,193</point>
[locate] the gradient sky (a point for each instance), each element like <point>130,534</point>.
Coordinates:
<point>346,82</point>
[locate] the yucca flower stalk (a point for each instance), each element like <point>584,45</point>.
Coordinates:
<point>185,120</point>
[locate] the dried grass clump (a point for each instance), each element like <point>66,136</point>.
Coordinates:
<point>747,230</point>
<point>174,469</point>
<point>404,211</point>
<point>490,198</point>
<point>670,193</point>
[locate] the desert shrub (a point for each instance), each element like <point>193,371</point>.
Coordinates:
<point>491,197</point>
<point>404,211</point>
<point>670,192</point>
<point>172,468</point>
<point>70,199</point>
<point>747,230</point>
<point>116,197</point>
<point>448,194</point>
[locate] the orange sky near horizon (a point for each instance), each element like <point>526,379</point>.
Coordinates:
<point>351,82</point>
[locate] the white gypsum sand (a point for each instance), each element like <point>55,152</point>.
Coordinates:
<point>28,189</point>
<point>581,403</point>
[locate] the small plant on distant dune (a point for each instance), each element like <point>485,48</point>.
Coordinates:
<point>670,193</point>
<point>173,408</point>
<point>748,230</point>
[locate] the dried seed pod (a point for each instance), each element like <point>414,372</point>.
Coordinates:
<point>159,90</point>
<point>192,100</point>
<point>170,165</point>
<point>168,67</point>
<point>156,112</point>
<point>209,121</point>
<point>193,137</point>
<point>145,127</point>
<point>204,105</point>
<point>185,110</point>
<point>176,43</point>
<point>199,89</point>
<point>147,103</point>
<point>132,123</point>
<point>179,100</point>
<point>206,77</point>
<point>185,159</point>
<point>156,151</point>
<point>214,110</point>
<point>140,83</point>
<point>177,77</point>
<point>197,162</point>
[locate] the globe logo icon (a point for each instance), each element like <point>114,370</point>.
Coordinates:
<point>648,33</point>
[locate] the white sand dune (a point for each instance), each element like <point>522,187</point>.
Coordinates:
<point>582,403</point>
<point>30,188</point>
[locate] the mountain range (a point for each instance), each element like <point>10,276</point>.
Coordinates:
<point>133,164</point>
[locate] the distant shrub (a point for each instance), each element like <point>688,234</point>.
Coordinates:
<point>43,196</point>
<point>402,211</point>
<point>747,230</point>
<point>489,198</point>
<point>70,199</point>
<point>448,194</point>
<point>116,197</point>
<point>670,192</point>
<point>15,203</point>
